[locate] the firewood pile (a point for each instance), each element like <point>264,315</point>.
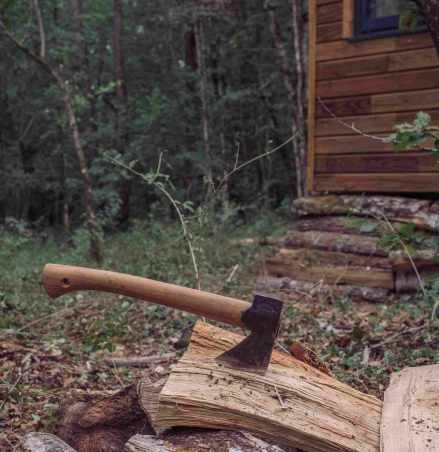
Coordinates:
<point>357,246</point>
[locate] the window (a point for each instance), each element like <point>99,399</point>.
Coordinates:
<point>384,17</point>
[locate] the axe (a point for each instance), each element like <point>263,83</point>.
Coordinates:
<point>261,317</point>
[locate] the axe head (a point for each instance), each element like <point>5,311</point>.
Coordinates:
<point>254,352</point>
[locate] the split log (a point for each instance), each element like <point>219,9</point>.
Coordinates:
<point>318,257</point>
<point>422,213</point>
<point>410,420</point>
<point>292,404</point>
<point>45,442</point>
<point>199,441</point>
<point>330,241</point>
<point>330,274</point>
<point>319,289</point>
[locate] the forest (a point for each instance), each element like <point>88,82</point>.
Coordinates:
<point>264,167</point>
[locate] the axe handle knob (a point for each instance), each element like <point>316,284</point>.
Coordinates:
<point>61,279</point>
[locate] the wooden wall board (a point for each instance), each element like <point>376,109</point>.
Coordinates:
<point>377,182</point>
<point>339,50</point>
<point>325,2</point>
<point>377,64</point>
<point>376,163</point>
<point>410,420</point>
<point>329,32</point>
<point>374,124</point>
<point>388,62</point>
<point>328,13</point>
<point>379,103</point>
<point>379,83</point>
<point>351,144</point>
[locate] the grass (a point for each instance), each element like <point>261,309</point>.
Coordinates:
<point>52,350</point>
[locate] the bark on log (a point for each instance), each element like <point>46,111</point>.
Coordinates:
<point>422,258</point>
<point>331,267</point>
<point>411,411</point>
<point>280,266</point>
<point>317,257</point>
<point>424,214</point>
<point>200,441</point>
<point>330,241</point>
<point>45,442</point>
<point>293,404</point>
<point>299,289</point>
<point>104,424</point>
<point>347,225</point>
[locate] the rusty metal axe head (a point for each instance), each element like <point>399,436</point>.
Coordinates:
<point>254,352</point>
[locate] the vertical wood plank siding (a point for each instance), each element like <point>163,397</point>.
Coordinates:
<point>366,86</point>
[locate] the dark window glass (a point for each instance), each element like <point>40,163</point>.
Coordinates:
<point>375,17</point>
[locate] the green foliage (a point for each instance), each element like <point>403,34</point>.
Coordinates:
<point>415,134</point>
<point>162,114</point>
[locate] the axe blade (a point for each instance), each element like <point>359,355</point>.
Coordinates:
<point>254,352</point>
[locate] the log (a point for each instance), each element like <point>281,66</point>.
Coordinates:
<point>320,289</point>
<point>330,241</point>
<point>330,274</point>
<point>423,258</point>
<point>422,213</point>
<point>317,257</point>
<point>347,225</point>
<point>410,420</point>
<point>103,424</point>
<point>292,404</point>
<point>45,442</point>
<point>199,441</point>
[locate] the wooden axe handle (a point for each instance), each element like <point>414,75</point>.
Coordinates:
<point>61,279</point>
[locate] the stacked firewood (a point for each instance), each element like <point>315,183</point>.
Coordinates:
<point>353,246</point>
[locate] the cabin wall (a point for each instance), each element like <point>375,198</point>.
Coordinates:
<point>363,88</point>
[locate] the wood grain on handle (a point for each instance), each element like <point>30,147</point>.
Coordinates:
<point>61,279</point>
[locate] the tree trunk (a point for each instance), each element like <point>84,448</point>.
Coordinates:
<point>122,95</point>
<point>293,97</point>
<point>430,11</point>
<point>205,122</point>
<point>292,404</point>
<point>300,78</point>
<point>96,246</point>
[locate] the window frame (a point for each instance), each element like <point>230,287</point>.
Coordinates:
<point>366,27</point>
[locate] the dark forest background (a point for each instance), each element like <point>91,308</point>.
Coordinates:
<point>202,85</point>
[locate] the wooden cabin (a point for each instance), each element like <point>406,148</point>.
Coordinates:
<point>368,71</point>
<point>367,74</point>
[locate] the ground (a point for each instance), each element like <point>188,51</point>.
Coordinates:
<point>52,351</point>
